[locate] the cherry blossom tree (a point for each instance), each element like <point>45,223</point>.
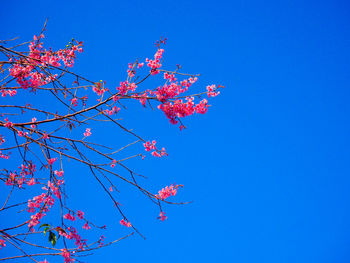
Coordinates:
<point>43,138</point>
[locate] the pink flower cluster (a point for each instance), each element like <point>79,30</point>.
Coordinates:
<point>51,161</point>
<point>69,217</point>
<point>8,124</point>
<point>26,74</point>
<point>67,256</point>
<point>125,87</point>
<point>73,234</point>
<point>37,201</point>
<point>211,91</point>
<point>113,165</point>
<point>87,132</point>
<point>99,89</point>
<point>113,110</point>
<point>45,136</point>
<point>22,134</point>
<point>162,216</point>
<point>4,156</point>
<point>42,202</point>
<point>31,182</point>
<point>124,222</point>
<point>168,91</point>
<point>74,101</point>
<point>152,146</point>
<point>5,92</point>
<point>170,77</point>
<point>59,173</point>
<point>155,64</point>
<point>80,214</point>
<point>131,68</point>
<point>12,179</point>
<point>26,171</point>
<point>33,125</point>
<point>54,189</point>
<point>168,191</point>
<point>180,109</point>
<point>86,226</point>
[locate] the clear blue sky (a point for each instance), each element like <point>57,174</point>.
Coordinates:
<point>267,167</point>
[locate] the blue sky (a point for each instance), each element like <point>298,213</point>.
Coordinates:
<point>267,167</point>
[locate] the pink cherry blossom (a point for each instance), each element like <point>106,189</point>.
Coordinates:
<point>80,214</point>
<point>31,182</point>
<point>69,217</point>
<point>149,146</point>
<point>22,134</point>
<point>59,173</point>
<point>33,125</point>
<point>74,101</point>
<point>155,64</point>
<point>8,124</point>
<point>162,216</point>
<point>87,132</point>
<point>86,226</point>
<point>113,163</point>
<point>67,256</point>
<point>168,191</point>
<point>124,222</point>
<point>45,136</point>
<point>211,91</point>
<point>2,243</point>
<point>52,160</point>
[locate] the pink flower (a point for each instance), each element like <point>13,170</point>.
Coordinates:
<point>100,242</point>
<point>22,134</point>
<point>156,154</point>
<point>2,139</point>
<point>80,214</point>
<point>211,91</point>
<point>202,107</point>
<point>86,226</point>
<point>150,146</point>
<point>51,161</point>
<point>2,243</point>
<point>155,64</point>
<point>59,173</point>
<point>113,163</point>
<point>35,219</point>
<point>74,101</point>
<point>125,223</point>
<point>67,256</point>
<point>168,191</point>
<point>162,216</point>
<point>45,136</point>
<point>8,124</point>
<point>69,217</point>
<point>33,125</point>
<point>8,92</point>
<point>31,182</point>
<point>87,132</point>
<point>170,77</point>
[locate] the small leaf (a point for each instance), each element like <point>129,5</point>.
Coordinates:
<point>52,238</point>
<point>46,229</point>
<point>44,225</point>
